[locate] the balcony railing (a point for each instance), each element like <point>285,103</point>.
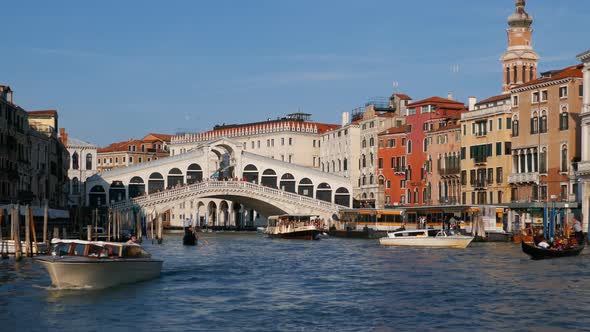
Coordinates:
<point>523,178</point>
<point>584,168</point>
<point>399,170</point>
<point>480,159</point>
<point>480,184</point>
<point>449,171</point>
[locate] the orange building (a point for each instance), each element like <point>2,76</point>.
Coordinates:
<point>122,154</point>
<point>391,165</point>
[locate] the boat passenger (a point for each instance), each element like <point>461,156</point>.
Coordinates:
<point>539,237</point>
<point>578,233</point>
<point>132,240</point>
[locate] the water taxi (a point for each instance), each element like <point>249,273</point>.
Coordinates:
<point>97,264</point>
<point>302,227</point>
<point>435,238</point>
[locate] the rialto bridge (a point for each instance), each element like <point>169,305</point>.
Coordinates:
<point>220,184</point>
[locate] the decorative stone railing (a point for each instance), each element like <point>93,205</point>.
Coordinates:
<point>523,178</point>
<point>229,187</point>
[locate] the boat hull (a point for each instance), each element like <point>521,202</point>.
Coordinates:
<point>430,242</point>
<point>298,235</point>
<point>98,273</point>
<point>540,253</point>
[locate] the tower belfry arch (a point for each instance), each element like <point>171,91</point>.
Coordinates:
<point>519,62</point>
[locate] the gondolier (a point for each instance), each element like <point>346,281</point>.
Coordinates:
<point>578,233</point>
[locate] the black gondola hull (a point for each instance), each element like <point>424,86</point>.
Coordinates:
<point>540,253</point>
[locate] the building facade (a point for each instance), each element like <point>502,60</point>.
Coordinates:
<point>584,165</point>
<point>294,139</point>
<point>486,151</point>
<point>443,149</point>
<point>82,165</point>
<point>391,165</point>
<point>424,116</point>
<point>377,117</point>
<point>123,154</point>
<point>340,149</point>
<point>546,140</point>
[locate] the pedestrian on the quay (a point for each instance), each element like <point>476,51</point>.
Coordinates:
<point>578,233</point>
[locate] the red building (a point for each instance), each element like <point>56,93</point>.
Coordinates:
<point>423,116</point>
<point>391,165</point>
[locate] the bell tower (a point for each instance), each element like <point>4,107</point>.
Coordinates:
<point>519,62</point>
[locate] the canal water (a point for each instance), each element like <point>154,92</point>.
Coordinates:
<point>246,282</point>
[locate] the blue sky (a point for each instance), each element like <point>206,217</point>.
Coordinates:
<point>120,69</point>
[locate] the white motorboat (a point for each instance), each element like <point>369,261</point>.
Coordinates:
<point>435,238</point>
<point>97,264</point>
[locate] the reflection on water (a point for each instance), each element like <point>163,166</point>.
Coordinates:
<point>250,283</point>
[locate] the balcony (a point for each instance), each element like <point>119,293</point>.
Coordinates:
<point>523,178</point>
<point>449,171</point>
<point>584,168</point>
<point>480,160</point>
<point>479,184</point>
<point>401,170</point>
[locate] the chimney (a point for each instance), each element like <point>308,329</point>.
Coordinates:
<point>450,96</point>
<point>472,102</point>
<point>63,136</point>
<point>345,118</point>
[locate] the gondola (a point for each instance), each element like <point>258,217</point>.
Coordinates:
<point>540,253</point>
<point>189,238</point>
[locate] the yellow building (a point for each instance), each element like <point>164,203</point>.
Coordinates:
<point>486,151</point>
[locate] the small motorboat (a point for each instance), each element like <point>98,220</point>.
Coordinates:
<point>97,264</point>
<point>434,238</point>
<point>189,238</point>
<point>536,253</point>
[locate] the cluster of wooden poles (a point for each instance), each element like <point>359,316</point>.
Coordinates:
<point>117,220</point>
<point>31,246</point>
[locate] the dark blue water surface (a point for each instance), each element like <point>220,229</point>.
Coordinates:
<point>246,282</point>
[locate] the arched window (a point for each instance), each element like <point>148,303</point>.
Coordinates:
<point>339,165</point>
<point>424,197</point>
<point>543,160</point>
<point>372,158</point>
<point>364,180</point>
<point>416,196</point>
<point>564,158</point>
<point>345,166</point>
<point>75,186</point>
<point>75,161</point>
<point>371,141</point>
<point>507,75</point>
<point>333,166</point>
<point>515,127</point>
<point>364,161</point>
<point>409,146</point>
<point>425,146</point>
<point>543,123</point>
<point>88,161</point>
<point>409,198</point>
<point>563,119</point>
<point>364,144</point>
<point>371,179</point>
<point>535,123</point>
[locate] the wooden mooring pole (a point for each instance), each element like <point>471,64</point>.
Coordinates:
<point>35,248</point>
<point>109,220</point>
<point>16,236</point>
<point>45,219</point>
<point>27,232</point>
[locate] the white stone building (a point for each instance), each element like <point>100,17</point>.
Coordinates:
<point>293,139</point>
<point>340,150</point>
<point>82,165</point>
<point>584,165</point>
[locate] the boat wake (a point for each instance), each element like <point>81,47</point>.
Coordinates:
<point>71,288</point>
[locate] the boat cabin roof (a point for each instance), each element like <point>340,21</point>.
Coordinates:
<point>96,243</point>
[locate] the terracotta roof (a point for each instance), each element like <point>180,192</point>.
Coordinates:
<point>493,99</point>
<point>445,103</point>
<point>163,137</point>
<point>571,71</point>
<point>402,96</point>
<point>394,130</point>
<point>124,147</point>
<point>43,112</point>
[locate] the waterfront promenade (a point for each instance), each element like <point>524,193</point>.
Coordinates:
<point>246,282</point>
